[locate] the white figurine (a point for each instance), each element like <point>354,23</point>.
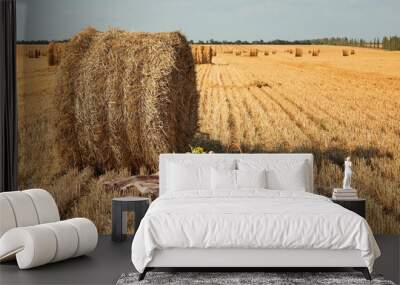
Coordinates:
<point>347,174</point>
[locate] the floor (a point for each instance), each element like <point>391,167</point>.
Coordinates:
<point>110,260</point>
<point>104,266</point>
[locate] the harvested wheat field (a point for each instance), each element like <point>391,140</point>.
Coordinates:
<point>331,105</point>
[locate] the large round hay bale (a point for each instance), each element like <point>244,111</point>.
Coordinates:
<point>123,98</point>
<point>345,52</point>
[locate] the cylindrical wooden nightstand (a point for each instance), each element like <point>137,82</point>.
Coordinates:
<point>120,207</point>
<point>357,205</point>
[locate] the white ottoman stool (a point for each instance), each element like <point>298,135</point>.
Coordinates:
<point>23,235</point>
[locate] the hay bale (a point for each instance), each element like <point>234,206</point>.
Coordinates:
<point>274,52</point>
<point>309,51</point>
<point>352,52</point>
<point>209,54</point>
<point>266,52</point>
<point>253,52</point>
<point>345,52</point>
<point>59,52</point>
<point>31,53</point>
<point>123,98</point>
<point>202,54</point>
<point>54,53</point>
<point>51,56</point>
<point>194,53</point>
<point>299,52</point>
<point>238,52</point>
<point>290,51</point>
<point>315,52</point>
<point>214,51</point>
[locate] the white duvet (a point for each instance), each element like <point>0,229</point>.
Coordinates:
<point>250,219</point>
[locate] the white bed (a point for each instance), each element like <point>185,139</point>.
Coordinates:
<point>249,227</point>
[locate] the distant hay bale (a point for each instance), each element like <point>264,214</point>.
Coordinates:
<point>123,98</point>
<point>54,53</point>
<point>31,53</point>
<point>214,51</point>
<point>59,52</point>
<point>266,52</point>
<point>238,52</point>
<point>274,52</point>
<point>299,52</point>
<point>228,51</point>
<point>51,56</point>
<point>290,51</point>
<point>202,54</point>
<point>353,52</point>
<point>315,52</point>
<point>309,51</point>
<point>253,52</point>
<point>345,52</point>
<point>209,53</point>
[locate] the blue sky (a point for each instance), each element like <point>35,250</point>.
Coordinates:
<point>217,19</point>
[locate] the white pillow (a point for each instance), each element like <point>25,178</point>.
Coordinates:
<point>223,179</point>
<point>182,177</point>
<point>281,174</point>
<point>189,174</point>
<point>251,178</point>
<point>291,179</point>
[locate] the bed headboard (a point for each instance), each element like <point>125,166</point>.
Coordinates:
<point>210,158</point>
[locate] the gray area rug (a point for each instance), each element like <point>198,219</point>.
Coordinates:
<point>269,278</point>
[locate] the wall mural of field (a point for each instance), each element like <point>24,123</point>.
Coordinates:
<point>101,106</point>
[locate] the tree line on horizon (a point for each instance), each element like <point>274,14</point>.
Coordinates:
<point>387,42</point>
